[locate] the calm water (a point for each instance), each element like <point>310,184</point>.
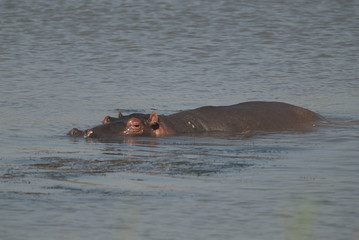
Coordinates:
<point>66,64</point>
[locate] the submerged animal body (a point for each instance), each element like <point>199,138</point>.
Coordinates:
<point>238,118</point>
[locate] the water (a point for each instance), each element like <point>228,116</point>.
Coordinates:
<point>66,64</point>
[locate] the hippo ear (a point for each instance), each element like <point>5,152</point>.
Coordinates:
<point>119,113</point>
<point>153,121</point>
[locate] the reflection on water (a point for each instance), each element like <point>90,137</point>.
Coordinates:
<point>176,155</point>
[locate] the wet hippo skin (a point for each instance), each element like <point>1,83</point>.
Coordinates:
<point>238,118</point>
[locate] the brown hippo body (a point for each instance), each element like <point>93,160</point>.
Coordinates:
<point>238,118</point>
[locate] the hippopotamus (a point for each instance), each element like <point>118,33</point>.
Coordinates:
<point>239,118</point>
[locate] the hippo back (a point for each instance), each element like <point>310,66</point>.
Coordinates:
<point>243,117</point>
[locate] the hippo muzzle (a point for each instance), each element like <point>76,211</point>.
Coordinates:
<point>76,133</point>
<point>118,128</point>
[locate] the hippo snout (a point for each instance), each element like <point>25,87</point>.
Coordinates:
<point>76,133</point>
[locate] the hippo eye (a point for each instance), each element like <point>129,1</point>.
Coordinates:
<point>136,125</point>
<point>155,126</point>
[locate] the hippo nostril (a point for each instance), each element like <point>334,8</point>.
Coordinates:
<point>76,133</point>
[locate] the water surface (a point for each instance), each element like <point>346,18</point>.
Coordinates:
<point>70,63</point>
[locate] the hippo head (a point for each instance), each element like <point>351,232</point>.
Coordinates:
<point>132,125</point>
